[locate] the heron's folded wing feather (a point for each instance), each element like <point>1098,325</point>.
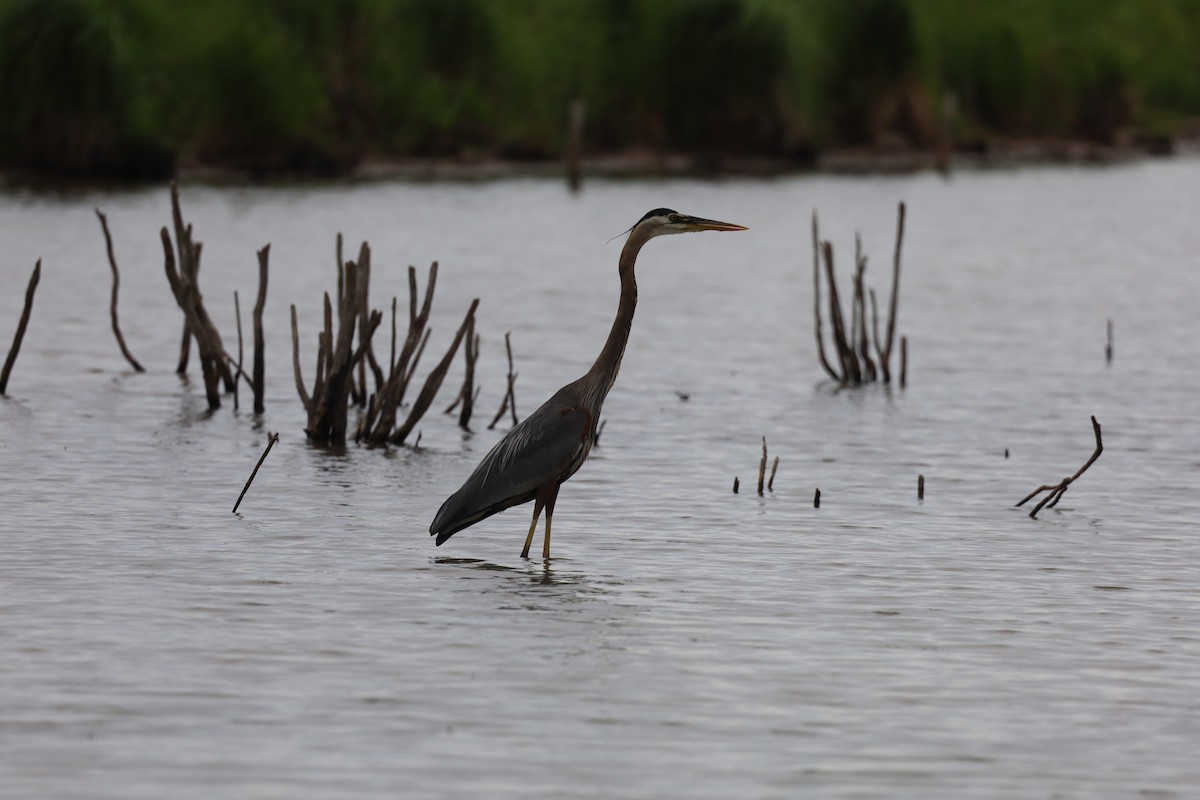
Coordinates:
<point>544,447</point>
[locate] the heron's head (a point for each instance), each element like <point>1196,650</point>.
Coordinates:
<point>662,221</point>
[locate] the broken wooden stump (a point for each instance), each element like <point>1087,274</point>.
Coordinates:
<point>762,467</point>
<point>260,363</point>
<point>328,403</point>
<point>22,324</point>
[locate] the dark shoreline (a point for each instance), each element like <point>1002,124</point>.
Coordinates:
<point>650,164</point>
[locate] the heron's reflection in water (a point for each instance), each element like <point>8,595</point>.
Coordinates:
<point>538,585</point>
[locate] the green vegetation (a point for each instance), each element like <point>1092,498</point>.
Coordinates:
<point>126,87</point>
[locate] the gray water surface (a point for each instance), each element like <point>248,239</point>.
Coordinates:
<point>684,642</point>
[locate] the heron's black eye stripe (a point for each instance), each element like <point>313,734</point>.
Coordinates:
<point>674,218</point>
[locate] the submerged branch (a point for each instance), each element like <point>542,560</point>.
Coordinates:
<point>1057,490</point>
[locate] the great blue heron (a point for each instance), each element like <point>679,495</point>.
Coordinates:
<point>549,445</point>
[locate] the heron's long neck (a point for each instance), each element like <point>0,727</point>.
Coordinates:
<point>603,374</point>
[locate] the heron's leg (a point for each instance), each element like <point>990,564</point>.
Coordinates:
<point>549,514</point>
<point>538,502</point>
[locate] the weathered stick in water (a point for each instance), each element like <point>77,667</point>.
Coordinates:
<point>817,499</point>
<point>21,326</point>
<point>260,364</point>
<point>735,484</point>
<point>1108,347</point>
<point>1057,490</point>
<point>771,480</point>
<point>116,285</point>
<point>237,376</point>
<point>762,467</point>
<point>920,487</point>
<point>184,281</point>
<point>509,403</point>
<point>903,361</point>
<point>433,382</point>
<point>272,438</point>
<point>817,299</point>
<point>851,332</point>
<point>886,356</point>
<point>468,393</point>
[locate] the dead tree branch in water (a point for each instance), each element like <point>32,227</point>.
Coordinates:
<point>509,403</point>
<point>328,403</point>
<point>378,422</point>
<point>433,382</point>
<point>116,285</point>
<point>260,363</point>
<point>21,326</point>
<point>272,438</point>
<point>850,336</point>
<point>762,467</point>
<point>184,282</point>
<point>468,393</point>
<point>1057,490</point>
<point>237,315</point>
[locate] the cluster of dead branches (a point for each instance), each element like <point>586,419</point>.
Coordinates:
<point>335,385</point>
<point>181,258</point>
<point>852,344</point>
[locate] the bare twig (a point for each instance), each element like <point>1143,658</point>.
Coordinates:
<point>735,485</point>
<point>920,487</point>
<point>1057,490</point>
<point>771,480</point>
<point>817,499</point>
<point>272,438</point>
<point>116,285</point>
<point>903,361</point>
<point>21,326</point>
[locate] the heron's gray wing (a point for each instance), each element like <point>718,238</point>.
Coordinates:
<point>546,446</point>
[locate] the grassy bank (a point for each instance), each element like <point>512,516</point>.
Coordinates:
<point>132,87</point>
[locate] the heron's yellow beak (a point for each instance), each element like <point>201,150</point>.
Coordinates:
<point>701,224</point>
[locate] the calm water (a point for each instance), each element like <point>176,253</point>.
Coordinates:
<point>684,642</point>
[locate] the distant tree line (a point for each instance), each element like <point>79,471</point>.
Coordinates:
<point>132,88</point>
